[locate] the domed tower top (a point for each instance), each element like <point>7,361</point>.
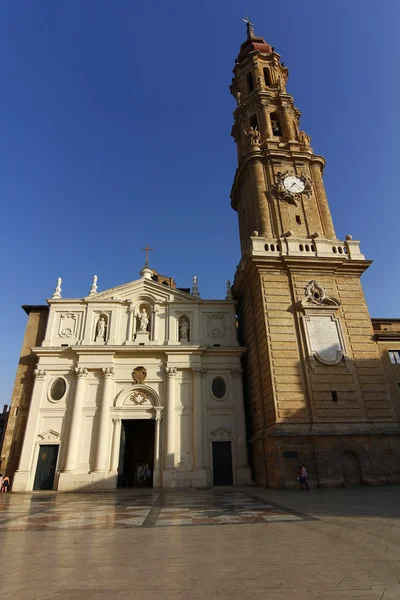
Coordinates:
<point>253,43</point>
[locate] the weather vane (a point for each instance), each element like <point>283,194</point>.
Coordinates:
<point>147,250</point>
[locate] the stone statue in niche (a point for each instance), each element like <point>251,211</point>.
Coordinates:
<point>101,328</point>
<point>184,331</point>
<point>143,320</point>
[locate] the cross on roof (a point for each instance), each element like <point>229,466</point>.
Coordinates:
<point>147,250</point>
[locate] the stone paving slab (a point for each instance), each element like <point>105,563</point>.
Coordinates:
<point>340,545</point>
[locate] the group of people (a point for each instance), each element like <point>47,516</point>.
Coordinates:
<point>4,484</point>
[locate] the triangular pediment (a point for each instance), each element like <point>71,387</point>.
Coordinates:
<point>49,436</point>
<point>143,288</point>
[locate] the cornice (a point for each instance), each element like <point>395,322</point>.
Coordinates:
<point>177,350</point>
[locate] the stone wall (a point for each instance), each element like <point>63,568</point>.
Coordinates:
<point>22,391</point>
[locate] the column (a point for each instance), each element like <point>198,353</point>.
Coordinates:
<point>240,423</point>
<point>266,121</point>
<point>171,374</point>
<point>130,323</point>
<point>291,134</point>
<point>104,421</point>
<point>326,217</point>
<point>156,310</point>
<point>76,419</point>
<point>157,445</point>
<point>263,221</point>
<point>30,431</point>
<point>198,419</point>
<point>115,445</point>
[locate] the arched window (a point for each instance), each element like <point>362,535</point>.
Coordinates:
<point>267,78</point>
<point>250,82</point>
<point>254,122</point>
<point>276,124</point>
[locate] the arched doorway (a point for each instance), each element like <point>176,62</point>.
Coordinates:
<point>351,468</point>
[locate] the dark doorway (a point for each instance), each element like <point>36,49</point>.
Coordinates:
<point>351,468</point>
<point>136,457</point>
<point>222,463</point>
<point>46,467</point>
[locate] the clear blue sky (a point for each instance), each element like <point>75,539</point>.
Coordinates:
<point>115,132</point>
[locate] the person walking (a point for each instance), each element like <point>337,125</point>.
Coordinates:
<point>303,478</point>
<point>6,485</point>
<point>1,482</point>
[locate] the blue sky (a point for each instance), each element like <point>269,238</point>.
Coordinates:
<point>115,132</point>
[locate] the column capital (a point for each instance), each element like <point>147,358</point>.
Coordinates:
<point>39,373</point>
<point>108,372</point>
<point>81,372</point>
<point>198,372</point>
<point>116,420</point>
<point>171,371</point>
<point>236,373</point>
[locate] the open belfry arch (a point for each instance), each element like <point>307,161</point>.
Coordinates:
<point>146,384</point>
<point>314,379</point>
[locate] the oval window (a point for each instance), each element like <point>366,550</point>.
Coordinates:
<point>218,387</point>
<point>58,388</point>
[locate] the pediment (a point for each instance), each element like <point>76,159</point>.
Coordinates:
<point>143,288</point>
<point>49,436</point>
<point>221,432</point>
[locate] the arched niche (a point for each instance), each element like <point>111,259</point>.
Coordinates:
<point>184,329</point>
<point>147,306</point>
<point>101,328</point>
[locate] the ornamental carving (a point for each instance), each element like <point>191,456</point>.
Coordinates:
<point>292,192</point>
<point>316,294</point>
<point>139,398</point>
<point>216,328</point>
<point>39,373</point>
<point>139,375</point>
<point>67,325</point>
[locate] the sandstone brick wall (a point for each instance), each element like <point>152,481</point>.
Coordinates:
<point>22,391</point>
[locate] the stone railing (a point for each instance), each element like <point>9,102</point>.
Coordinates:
<point>315,246</point>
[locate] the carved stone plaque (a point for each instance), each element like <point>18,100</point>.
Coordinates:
<point>324,338</point>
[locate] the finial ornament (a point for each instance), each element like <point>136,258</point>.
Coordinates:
<point>93,289</point>
<point>58,290</point>
<point>249,27</point>
<point>195,289</point>
<point>228,291</point>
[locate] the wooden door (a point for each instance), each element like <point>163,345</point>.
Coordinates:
<point>222,463</point>
<point>46,467</point>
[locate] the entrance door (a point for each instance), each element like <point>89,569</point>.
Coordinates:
<point>351,468</point>
<point>136,453</point>
<point>46,467</point>
<point>222,463</point>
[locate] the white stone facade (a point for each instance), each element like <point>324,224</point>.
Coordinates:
<point>103,391</point>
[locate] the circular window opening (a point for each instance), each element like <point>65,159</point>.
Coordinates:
<point>218,387</point>
<point>58,388</point>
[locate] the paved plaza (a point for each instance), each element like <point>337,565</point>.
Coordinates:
<point>246,543</point>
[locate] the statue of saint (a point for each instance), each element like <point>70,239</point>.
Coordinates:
<point>304,138</point>
<point>238,98</point>
<point>143,320</point>
<point>253,135</point>
<point>101,330</point>
<point>184,331</point>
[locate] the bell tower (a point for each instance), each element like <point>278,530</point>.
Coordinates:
<point>313,376</point>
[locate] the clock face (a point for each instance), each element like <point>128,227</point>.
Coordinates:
<point>294,184</point>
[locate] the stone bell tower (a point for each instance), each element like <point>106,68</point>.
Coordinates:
<point>314,383</point>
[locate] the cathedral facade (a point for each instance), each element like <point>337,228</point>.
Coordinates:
<point>142,384</point>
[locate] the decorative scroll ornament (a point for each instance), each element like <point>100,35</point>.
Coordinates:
<point>216,325</point>
<point>291,194</point>
<point>316,294</point>
<point>139,375</point>
<point>139,398</point>
<point>39,373</point>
